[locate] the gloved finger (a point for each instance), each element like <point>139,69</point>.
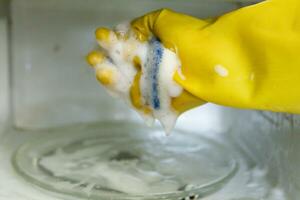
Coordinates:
<point>106,72</point>
<point>166,25</point>
<point>186,101</point>
<point>144,26</point>
<point>105,37</point>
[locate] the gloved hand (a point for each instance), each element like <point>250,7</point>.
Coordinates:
<point>119,59</point>
<point>248,58</point>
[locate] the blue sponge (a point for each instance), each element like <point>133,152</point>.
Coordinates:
<point>155,58</point>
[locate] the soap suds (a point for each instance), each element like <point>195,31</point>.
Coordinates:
<point>221,70</point>
<point>158,66</point>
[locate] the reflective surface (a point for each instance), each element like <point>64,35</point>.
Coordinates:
<point>122,160</point>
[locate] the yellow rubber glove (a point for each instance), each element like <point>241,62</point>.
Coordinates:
<point>249,58</point>
<point>118,52</point>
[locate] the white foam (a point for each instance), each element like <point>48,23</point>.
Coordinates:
<point>121,54</point>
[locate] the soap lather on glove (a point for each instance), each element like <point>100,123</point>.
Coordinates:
<point>165,63</point>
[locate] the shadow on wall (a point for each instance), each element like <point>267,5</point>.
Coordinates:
<point>3,61</point>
